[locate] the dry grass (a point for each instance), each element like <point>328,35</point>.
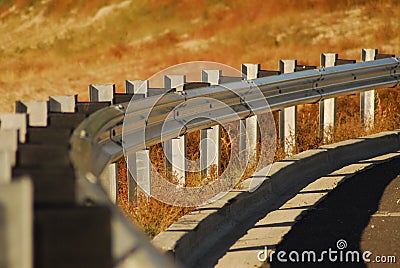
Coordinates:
<point>148,213</point>
<point>59,47</point>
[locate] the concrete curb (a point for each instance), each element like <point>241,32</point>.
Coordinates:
<point>271,229</point>
<point>195,235</point>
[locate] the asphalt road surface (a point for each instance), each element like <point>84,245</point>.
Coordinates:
<point>362,214</point>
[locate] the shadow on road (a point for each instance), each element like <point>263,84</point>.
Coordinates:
<point>344,214</point>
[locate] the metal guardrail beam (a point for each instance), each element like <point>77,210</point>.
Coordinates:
<point>280,91</point>
<point>98,140</point>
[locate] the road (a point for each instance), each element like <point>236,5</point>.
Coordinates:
<point>364,211</point>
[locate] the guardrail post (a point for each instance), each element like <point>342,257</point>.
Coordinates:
<point>36,110</point>
<point>16,228</point>
<point>211,76</point>
<point>109,180</point>
<point>137,87</point>
<point>367,98</point>
<point>62,104</point>
<point>210,137</point>
<point>288,117</point>
<point>249,72</point>
<point>210,149</point>
<point>101,92</point>
<point>139,174</point>
<point>113,170</point>
<point>175,149</point>
<point>143,168</point>
<point>9,121</point>
<point>176,158</point>
<point>9,143</point>
<point>327,108</point>
<point>174,81</point>
<point>130,173</point>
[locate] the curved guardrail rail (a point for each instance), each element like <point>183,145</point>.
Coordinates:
<point>101,132</point>
<point>98,139</point>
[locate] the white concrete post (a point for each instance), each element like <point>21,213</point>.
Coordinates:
<point>143,170</point>
<point>327,108</point>
<point>242,138</point>
<point>176,158</point>
<point>211,76</point>
<point>16,228</point>
<point>130,176</point>
<point>101,92</point>
<point>175,149</point>
<point>139,161</point>
<point>36,110</point>
<point>252,135</point>
<point>62,104</point>
<point>249,72</point>
<point>367,98</point>
<point>9,143</point>
<point>10,121</point>
<point>288,117</point>
<point>137,87</point>
<point>210,149</point>
<point>210,137</point>
<point>109,180</point>
<point>174,81</point>
<point>113,189</point>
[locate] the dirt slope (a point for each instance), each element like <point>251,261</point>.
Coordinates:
<point>59,47</point>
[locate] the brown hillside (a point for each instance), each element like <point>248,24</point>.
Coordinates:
<point>59,47</point>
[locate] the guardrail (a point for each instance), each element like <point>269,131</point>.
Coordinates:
<point>97,142</point>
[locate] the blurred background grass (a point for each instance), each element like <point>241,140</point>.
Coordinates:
<point>54,47</point>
